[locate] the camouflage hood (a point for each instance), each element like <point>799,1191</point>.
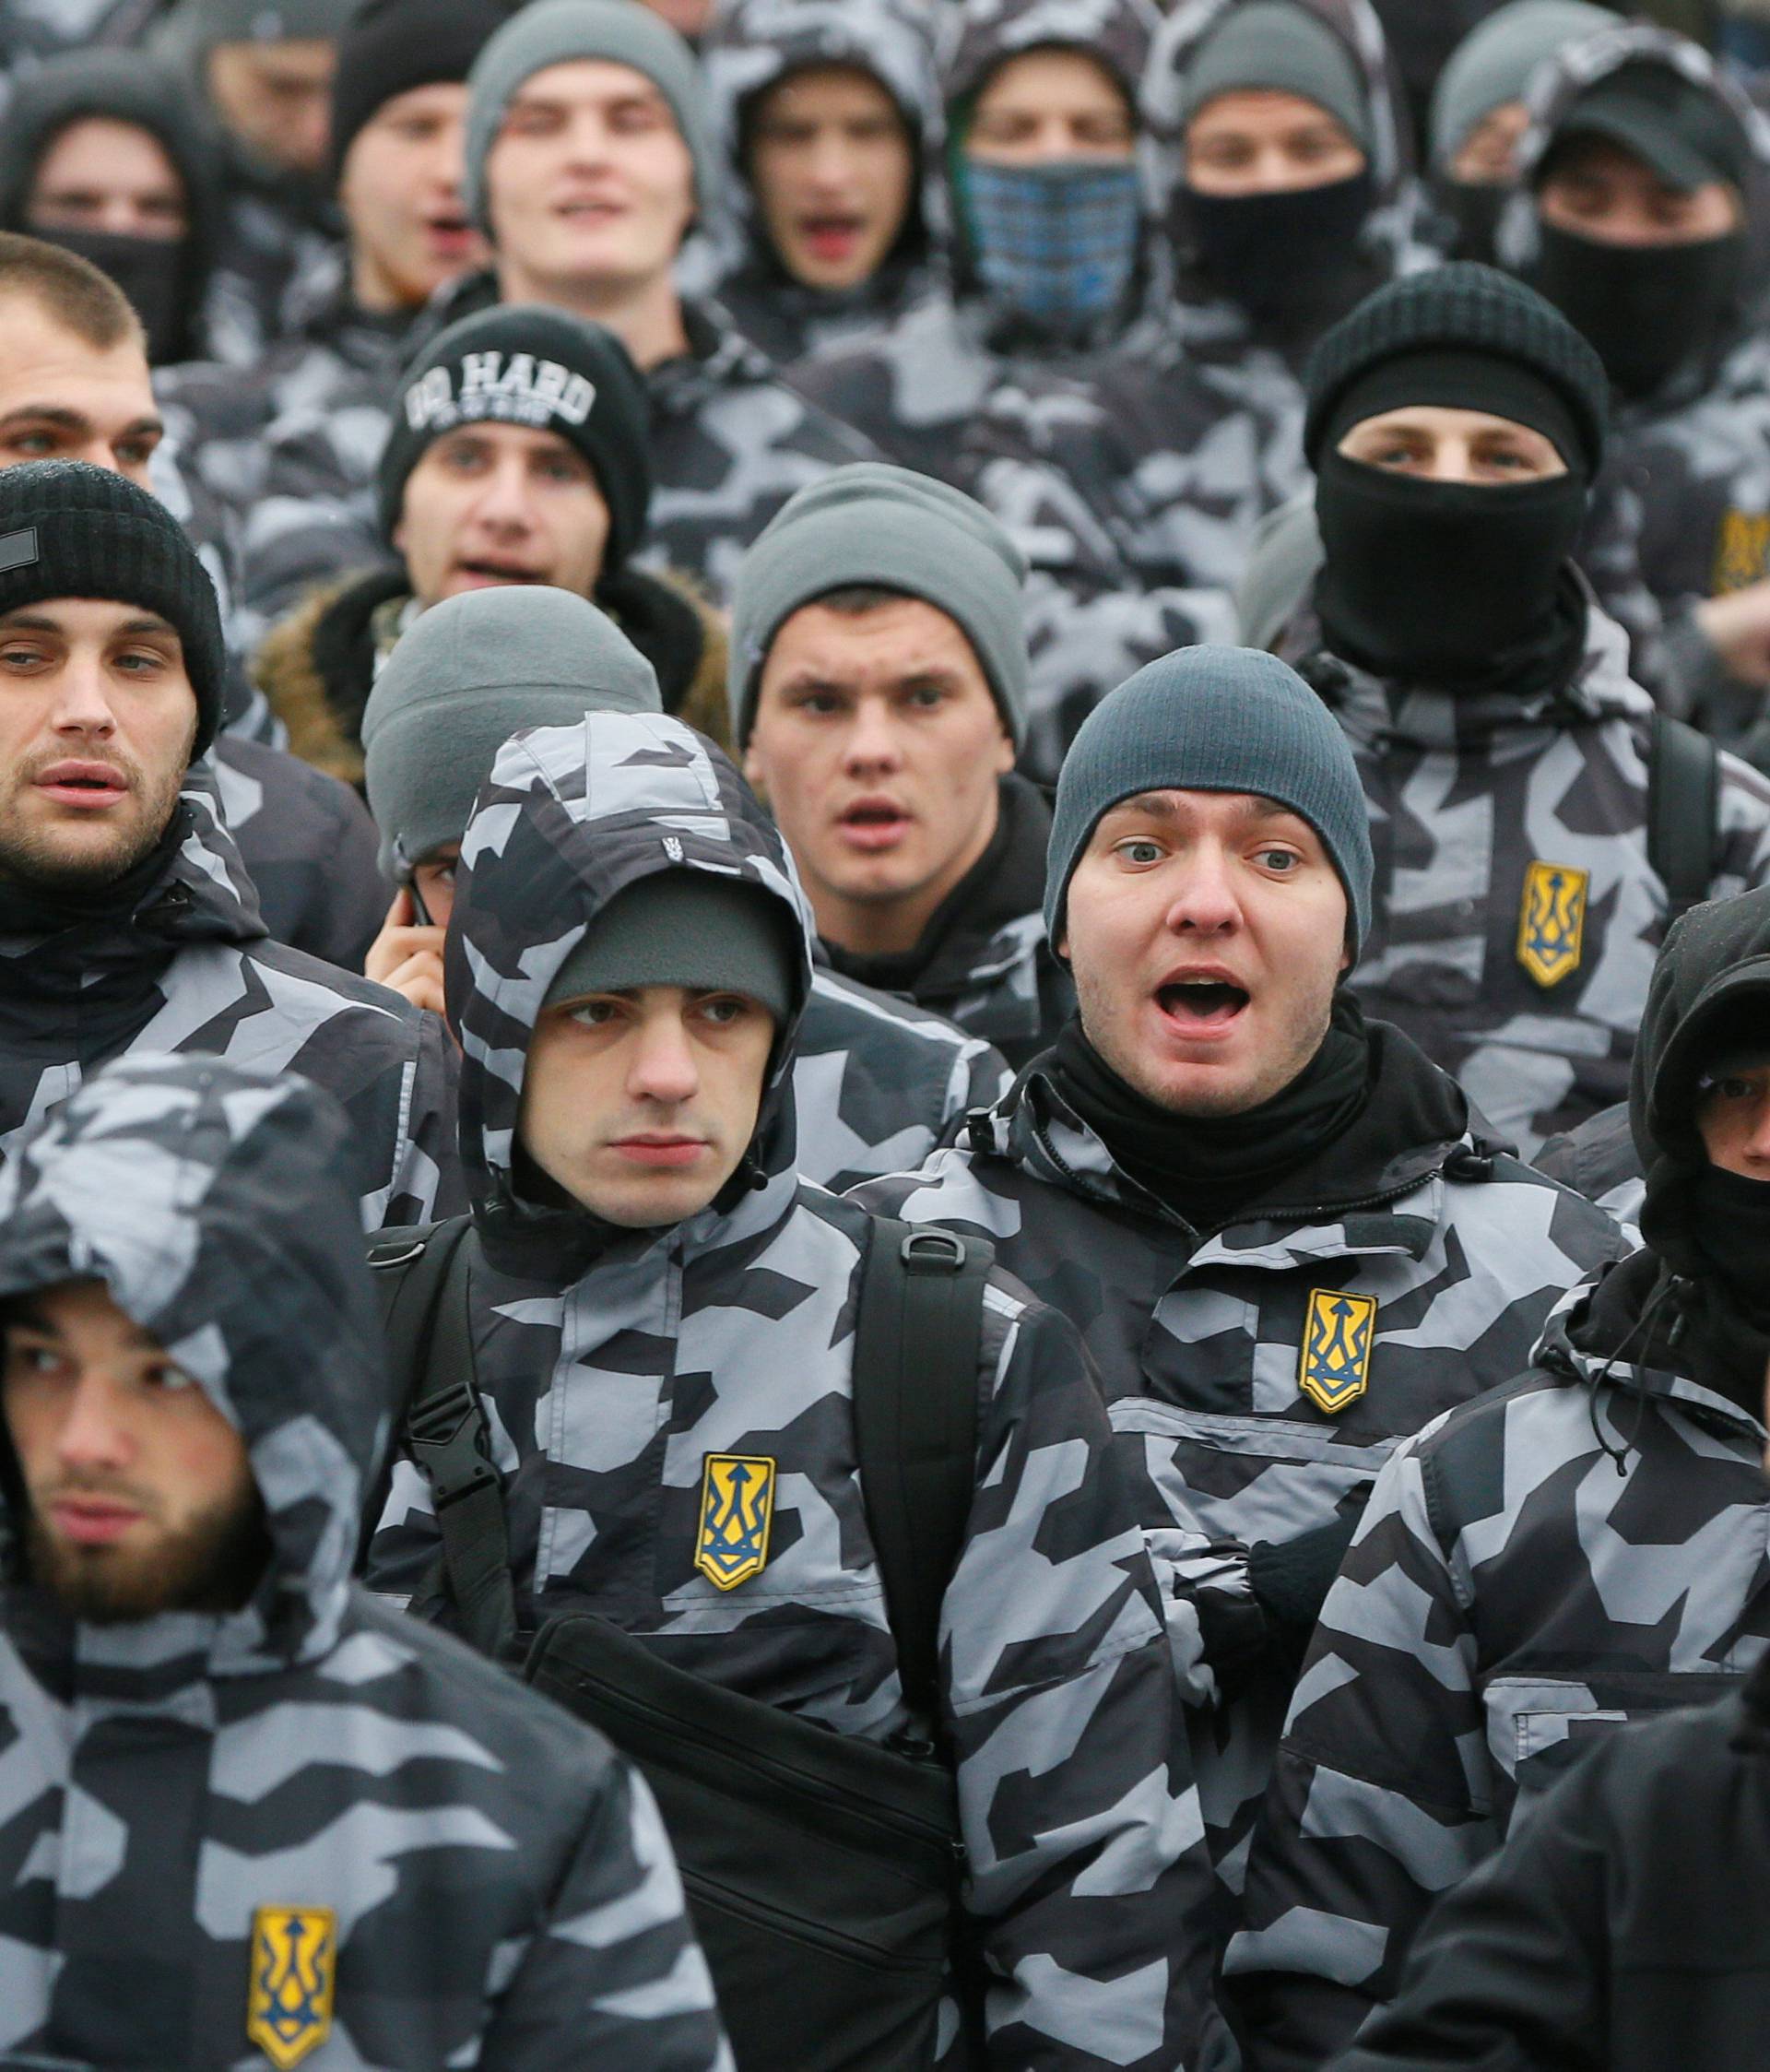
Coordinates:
<point>1579,67</point>
<point>569,818</point>
<point>213,1201</point>
<point>1389,229</point>
<point>753,43</point>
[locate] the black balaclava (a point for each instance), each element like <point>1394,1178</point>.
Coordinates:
<point>1282,255</point>
<point>1457,585</point>
<point>1649,310</point>
<point>1475,207</point>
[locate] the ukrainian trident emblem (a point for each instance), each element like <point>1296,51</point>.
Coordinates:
<point>1551,921</point>
<point>294,1962</point>
<point>736,1509</point>
<point>1334,1367</point>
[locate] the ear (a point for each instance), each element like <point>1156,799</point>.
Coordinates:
<point>1005,753</point>
<point>755,775</point>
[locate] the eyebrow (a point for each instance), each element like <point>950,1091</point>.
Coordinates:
<point>70,419</point>
<point>1156,805</point>
<point>28,622</point>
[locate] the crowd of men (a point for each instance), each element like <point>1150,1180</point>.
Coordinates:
<point>885,1057</point>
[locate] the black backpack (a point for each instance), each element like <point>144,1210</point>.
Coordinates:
<point>822,1871</point>
<point>1683,808</point>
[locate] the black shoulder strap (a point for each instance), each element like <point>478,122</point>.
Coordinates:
<point>918,1340</point>
<point>1683,810</point>
<point>426,1316</point>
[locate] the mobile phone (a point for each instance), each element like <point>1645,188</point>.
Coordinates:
<point>419,907</point>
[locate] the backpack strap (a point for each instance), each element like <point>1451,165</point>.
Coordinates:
<point>918,1337</point>
<point>1683,810</point>
<point>431,1353</point>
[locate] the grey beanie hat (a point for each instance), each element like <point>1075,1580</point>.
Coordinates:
<point>687,928</point>
<point>562,31</point>
<point>1279,576</point>
<point>472,671</point>
<point>195,28</point>
<point>1214,719</point>
<point>873,524</point>
<point>1493,63</point>
<point>1275,46</point>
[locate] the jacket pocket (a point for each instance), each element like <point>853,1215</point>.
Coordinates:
<point>1538,1727</point>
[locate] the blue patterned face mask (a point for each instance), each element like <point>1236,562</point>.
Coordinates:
<point>1057,242</point>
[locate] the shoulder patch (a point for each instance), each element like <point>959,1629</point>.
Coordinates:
<point>737,1510</point>
<point>1333,1369</point>
<point>1742,552</point>
<point>1551,921</point>
<point>294,1966</point>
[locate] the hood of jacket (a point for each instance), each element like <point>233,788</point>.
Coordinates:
<point>1553,90</point>
<point>1383,713</point>
<point>131,86</point>
<point>753,44</point>
<point>569,818</point>
<point>1388,234</point>
<point>213,1201</point>
<point>1713,969</point>
<point>103,949</point>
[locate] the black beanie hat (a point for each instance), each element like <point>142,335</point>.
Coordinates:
<point>522,363</point>
<point>1437,320</point>
<point>389,47</point>
<point>69,530</point>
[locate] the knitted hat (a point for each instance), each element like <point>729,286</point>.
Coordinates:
<point>684,927</point>
<point>1278,46</point>
<point>69,530</point>
<point>877,525</point>
<point>521,363</point>
<point>468,674</point>
<point>562,31</point>
<point>390,47</point>
<point>1214,719</point>
<point>195,28</point>
<point>1493,63</point>
<point>1469,309</point>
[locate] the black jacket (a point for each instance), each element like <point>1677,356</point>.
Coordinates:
<point>1623,1928</point>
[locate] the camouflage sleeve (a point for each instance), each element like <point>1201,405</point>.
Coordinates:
<point>1744,831</point>
<point>315,517</point>
<point>1377,1803</point>
<point>427,1183</point>
<point>613,1980</point>
<point>1087,1876</point>
<point>980,1078</point>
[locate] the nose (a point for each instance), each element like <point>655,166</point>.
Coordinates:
<point>662,1067</point>
<point>873,743</point>
<point>1204,900</point>
<point>827,161</point>
<point>92,1438</point>
<point>82,699</point>
<point>1757,1143</point>
<point>504,501</point>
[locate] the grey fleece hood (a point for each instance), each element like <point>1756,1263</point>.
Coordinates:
<point>569,818</point>
<point>216,1203</point>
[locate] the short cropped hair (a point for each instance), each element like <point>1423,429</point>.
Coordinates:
<point>70,290</point>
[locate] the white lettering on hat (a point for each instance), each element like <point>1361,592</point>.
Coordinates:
<point>519,389</point>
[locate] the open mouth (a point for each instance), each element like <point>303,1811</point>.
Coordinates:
<point>82,783</point>
<point>449,230</point>
<point>482,572</point>
<point>1201,1003</point>
<point>831,237</point>
<point>585,211</point>
<point>874,823</point>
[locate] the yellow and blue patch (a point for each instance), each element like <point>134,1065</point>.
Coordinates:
<point>737,1513</point>
<point>1334,1367</point>
<point>1551,921</point>
<point>1742,552</point>
<point>294,1968</point>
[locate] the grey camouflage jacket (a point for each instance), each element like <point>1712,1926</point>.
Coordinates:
<point>1516,913</point>
<point>747,47</point>
<point>309,1831</point>
<point>180,961</point>
<point>621,1368</point>
<point>730,444</point>
<point>1259,1376</point>
<point>1585,1546</point>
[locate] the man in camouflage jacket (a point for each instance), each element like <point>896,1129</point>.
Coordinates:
<point>1518,901</point>
<point>729,442</point>
<point>619,1356</point>
<point>1583,1546</point>
<point>1269,1307</point>
<point>256,1817</point>
<point>753,46</point>
<point>168,953</point>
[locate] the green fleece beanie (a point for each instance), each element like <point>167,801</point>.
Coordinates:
<point>687,928</point>
<point>873,525</point>
<point>468,674</point>
<point>1275,46</point>
<point>1214,719</point>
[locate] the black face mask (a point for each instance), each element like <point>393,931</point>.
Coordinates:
<point>151,271</point>
<point>1731,1228</point>
<point>1647,309</point>
<point>1278,255</point>
<point>1444,583</point>
<point>1475,209</point>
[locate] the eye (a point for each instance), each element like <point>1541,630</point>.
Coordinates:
<point>137,452</point>
<point>1281,861</point>
<point>1139,851</point>
<point>33,1360</point>
<point>167,1375</point>
<point>725,1011</point>
<point>140,662</point>
<point>593,1014</point>
<point>18,657</point>
<point>34,443</point>
<point>926,697</point>
<point>821,704</point>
